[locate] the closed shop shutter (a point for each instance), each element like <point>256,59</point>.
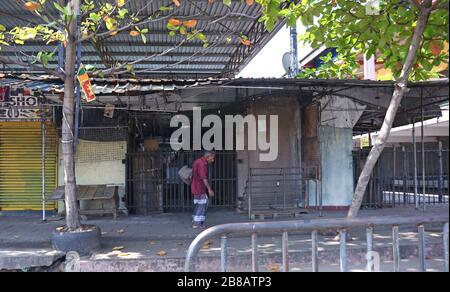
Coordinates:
<point>21,165</point>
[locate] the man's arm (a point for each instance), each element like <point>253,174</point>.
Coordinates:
<point>210,190</point>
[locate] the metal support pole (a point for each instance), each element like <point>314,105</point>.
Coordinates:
<point>396,248</point>
<point>423,148</point>
<point>446,247</point>
<point>416,202</point>
<point>405,174</point>
<point>369,238</point>
<point>78,88</point>
<point>254,252</point>
<point>343,250</point>
<point>294,52</point>
<point>250,195</point>
<point>320,171</point>
<point>284,187</point>
<point>223,253</point>
<point>320,199</point>
<point>43,131</point>
<point>422,249</point>
<point>316,200</point>
<point>315,260</point>
<point>285,251</point>
<point>440,174</point>
<point>395,175</point>
<point>61,58</point>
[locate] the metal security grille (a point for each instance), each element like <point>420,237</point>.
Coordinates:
<point>153,184</point>
<point>281,189</point>
<point>397,180</point>
<point>21,165</point>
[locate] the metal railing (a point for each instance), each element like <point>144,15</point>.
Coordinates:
<point>341,225</point>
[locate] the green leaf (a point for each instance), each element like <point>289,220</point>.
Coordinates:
<point>39,56</point>
<point>165,8</point>
<point>123,13</point>
<point>2,27</point>
<point>370,52</point>
<point>59,8</point>
<point>427,65</point>
<point>172,27</point>
<point>382,42</point>
<point>201,37</point>
<point>94,17</point>
<point>111,23</point>
<point>227,2</point>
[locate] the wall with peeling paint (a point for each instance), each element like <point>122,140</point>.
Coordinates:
<point>289,139</point>
<point>337,166</point>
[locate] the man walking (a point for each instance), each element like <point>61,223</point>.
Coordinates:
<point>201,190</point>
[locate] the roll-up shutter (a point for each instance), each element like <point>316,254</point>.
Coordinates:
<point>21,165</point>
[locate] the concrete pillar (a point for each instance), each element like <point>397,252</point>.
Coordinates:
<point>337,166</point>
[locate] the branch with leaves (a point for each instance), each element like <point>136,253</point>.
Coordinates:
<point>359,30</point>
<point>107,20</point>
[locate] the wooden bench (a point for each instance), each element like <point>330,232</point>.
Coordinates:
<point>107,196</point>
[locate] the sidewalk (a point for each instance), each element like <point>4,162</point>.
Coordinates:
<point>159,242</point>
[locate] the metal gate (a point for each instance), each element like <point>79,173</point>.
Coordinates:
<point>281,189</point>
<point>21,165</point>
<point>398,180</point>
<point>153,184</point>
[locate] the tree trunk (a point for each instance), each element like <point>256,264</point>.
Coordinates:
<point>399,91</point>
<point>72,218</point>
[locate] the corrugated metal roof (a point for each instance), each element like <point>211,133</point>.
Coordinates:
<point>209,62</point>
<point>50,84</point>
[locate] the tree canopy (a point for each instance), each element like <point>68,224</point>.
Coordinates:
<point>383,28</point>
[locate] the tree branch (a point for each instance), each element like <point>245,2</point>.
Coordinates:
<point>416,3</point>
<point>189,58</point>
<point>117,69</point>
<point>143,21</point>
<point>438,5</point>
<point>399,91</point>
<point>22,3</point>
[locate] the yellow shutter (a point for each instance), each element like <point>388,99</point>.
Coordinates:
<point>21,165</point>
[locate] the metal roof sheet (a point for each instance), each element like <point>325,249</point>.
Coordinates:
<point>123,47</point>
<point>50,84</point>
